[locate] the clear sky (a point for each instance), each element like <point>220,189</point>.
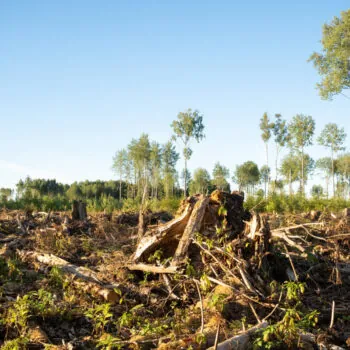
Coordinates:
<point>79,79</point>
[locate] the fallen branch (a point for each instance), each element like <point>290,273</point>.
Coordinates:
<point>91,282</point>
<point>282,235</point>
<point>241,341</point>
<point>152,268</point>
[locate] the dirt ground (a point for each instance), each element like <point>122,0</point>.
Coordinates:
<point>70,284</point>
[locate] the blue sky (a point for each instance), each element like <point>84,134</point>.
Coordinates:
<point>79,79</point>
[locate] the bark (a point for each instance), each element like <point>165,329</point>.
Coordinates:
<point>79,210</point>
<point>142,224</point>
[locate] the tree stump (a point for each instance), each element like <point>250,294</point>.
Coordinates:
<point>79,210</point>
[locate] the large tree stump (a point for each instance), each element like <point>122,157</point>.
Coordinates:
<point>79,210</point>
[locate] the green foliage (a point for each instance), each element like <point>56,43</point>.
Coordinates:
<point>17,315</point>
<point>286,332</point>
<point>109,342</point>
<point>189,125</point>
<point>279,203</point>
<point>316,191</point>
<point>247,176</point>
<point>100,316</point>
<point>43,303</point>
<point>301,130</point>
<point>128,318</point>
<point>266,127</point>
<point>220,176</point>
<point>205,282</point>
<point>16,344</point>
<point>217,301</point>
<point>333,62</point>
<point>294,290</point>
<point>332,137</point>
<point>5,194</point>
<point>10,269</point>
<point>200,182</point>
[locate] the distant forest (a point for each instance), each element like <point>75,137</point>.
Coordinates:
<point>146,169</point>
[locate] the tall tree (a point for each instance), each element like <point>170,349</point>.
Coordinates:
<point>186,177</point>
<point>343,169</point>
<point>247,176</point>
<point>301,130</point>
<point>265,176</point>
<point>333,138</point>
<point>290,170</point>
<point>266,127</point>
<point>189,125</point>
<point>155,165</point>
<point>5,194</point>
<point>317,191</point>
<point>140,151</point>
<point>280,132</point>
<point>333,62</point>
<point>220,176</point>
<point>325,165</point>
<point>169,160</point>
<point>119,165</point>
<point>200,182</point>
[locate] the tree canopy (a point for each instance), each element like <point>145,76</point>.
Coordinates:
<point>333,62</point>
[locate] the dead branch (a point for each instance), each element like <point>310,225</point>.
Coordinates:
<point>89,277</point>
<point>152,268</point>
<point>241,341</point>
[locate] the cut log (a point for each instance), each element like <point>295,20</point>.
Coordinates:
<point>241,341</point>
<point>79,210</point>
<point>193,226</point>
<point>90,282</point>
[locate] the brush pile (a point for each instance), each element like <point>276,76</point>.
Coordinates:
<point>214,276</point>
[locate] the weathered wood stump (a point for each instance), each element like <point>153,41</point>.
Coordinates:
<point>79,210</point>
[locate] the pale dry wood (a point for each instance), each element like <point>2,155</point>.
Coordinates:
<point>160,234</point>
<point>193,226</point>
<point>152,268</point>
<point>240,341</point>
<point>282,235</point>
<point>90,281</point>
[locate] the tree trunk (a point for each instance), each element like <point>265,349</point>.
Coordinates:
<point>302,172</point>
<point>120,187</point>
<point>185,190</point>
<point>142,225</point>
<point>333,186</point>
<point>267,162</point>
